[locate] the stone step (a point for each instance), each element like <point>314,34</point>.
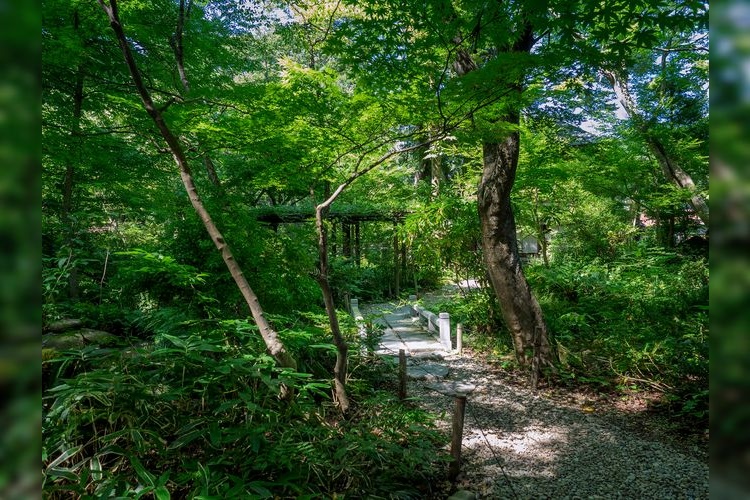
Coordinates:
<point>427,371</point>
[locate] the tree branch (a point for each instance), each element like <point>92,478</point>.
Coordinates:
<point>177,44</point>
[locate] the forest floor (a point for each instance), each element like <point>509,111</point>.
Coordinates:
<point>560,442</point>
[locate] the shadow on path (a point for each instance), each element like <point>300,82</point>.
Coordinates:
<point>517,444</point>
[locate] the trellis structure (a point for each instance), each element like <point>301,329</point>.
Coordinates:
<point>349,219</point>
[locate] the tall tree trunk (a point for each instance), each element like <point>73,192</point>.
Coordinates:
<point>403,261</point>
<point>436,173</point>
<point>211,171</point>
<point>520,309</point>
<point>346,232</point>
<point>669,166</point>
<point>71,226</point>
<point>357,244</point>
<point>396,266</point>
<point>541,229</point>
<point>177,44</point>
<point>270,337</point>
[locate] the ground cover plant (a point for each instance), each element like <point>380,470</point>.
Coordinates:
<point>200,413</point>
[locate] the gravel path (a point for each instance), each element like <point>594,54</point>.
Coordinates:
<point>523,444</point>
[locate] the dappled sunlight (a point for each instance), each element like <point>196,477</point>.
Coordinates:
<point>540,447</point>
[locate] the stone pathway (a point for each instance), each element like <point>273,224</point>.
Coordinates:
<point>518,443</point>
<point>401,330</point>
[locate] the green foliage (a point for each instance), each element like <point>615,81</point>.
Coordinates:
<point>444,236</point>
<point>484,330</point>
<point>639,319</point>
<point>368,281</point>
<point>280,110</point>
<point>55,275</point>
<point>199,414</point>
<point>636,321</point>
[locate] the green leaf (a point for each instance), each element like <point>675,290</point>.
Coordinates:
<point>96,469</point>
<point>148,478</point>
<point>186,439</point>
<point>62,472</point>
<point>65,455</point>
<point>161,493</point>
<point>175,340</point>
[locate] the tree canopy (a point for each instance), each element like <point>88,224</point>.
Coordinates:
<point>221,179</point>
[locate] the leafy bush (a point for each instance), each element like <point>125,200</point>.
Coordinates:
<point>480,316</point>
<point>367,281</point>
<point>202,414</point>
<point>639,319</point>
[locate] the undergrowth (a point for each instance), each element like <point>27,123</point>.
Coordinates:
<point>202,413</point>
<point>635,322</point>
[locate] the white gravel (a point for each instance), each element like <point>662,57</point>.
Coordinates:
<point>547,449</point>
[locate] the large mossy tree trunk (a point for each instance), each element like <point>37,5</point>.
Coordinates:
<point>270,336</point>
<point>521,311</point>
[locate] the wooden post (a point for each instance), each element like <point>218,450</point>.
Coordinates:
<point>334,235</point>
<point>459,391</point>
<point>346,231</point>
<point>357,245</point>
<point>459,338</point>
<point>403,260</point>
<point>457,438</point>
<point>396,264</point>
<point>401,374</point>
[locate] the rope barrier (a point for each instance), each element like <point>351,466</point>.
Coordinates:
<point>478,424</point>
<point>492,450</point>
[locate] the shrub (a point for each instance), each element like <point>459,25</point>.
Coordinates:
<point>202,414</point>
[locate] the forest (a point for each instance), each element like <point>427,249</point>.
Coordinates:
<point>220,179</point>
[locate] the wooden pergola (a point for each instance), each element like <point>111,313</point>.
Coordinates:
<point>349,218</point>
<point>284,214</point>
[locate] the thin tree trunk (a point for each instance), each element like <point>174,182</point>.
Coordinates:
<point>541,230</point>
<point>357,244</point>
<point>334,235</point>
<point>211,171</point>
<point>177,44</point>
<point>396,266</point>
<point>321,210</point>
<point>403,261</point>
<point>669,167</point>
<point>346,231</point>
<point>270,337</point>
<point>342,349</point>
<point>436,174</point>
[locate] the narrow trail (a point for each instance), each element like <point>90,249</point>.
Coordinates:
<point>521,444</point>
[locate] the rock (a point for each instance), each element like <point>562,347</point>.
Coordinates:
<point>462,495</point>
<point>76,339</point>
<point>452,388</point>
<point>64,325</point>
<point>428,356</point>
